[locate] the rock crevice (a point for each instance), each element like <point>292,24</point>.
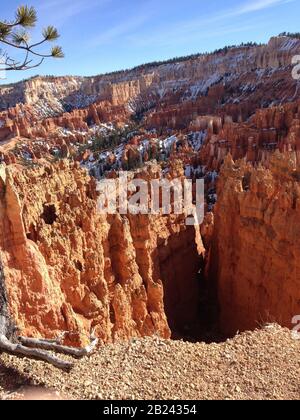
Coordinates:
<point>69,268</point>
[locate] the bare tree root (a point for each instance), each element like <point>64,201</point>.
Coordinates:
<point>39,349</point>
<point>54,346</point>
<point>19,350</point>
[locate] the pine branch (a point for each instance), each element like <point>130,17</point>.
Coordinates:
<point>26,16</point>
<point>15,36</point>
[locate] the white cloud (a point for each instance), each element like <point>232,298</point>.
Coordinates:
<point>63,10</point>
<point>185,30</point>
<point>257,5</point>
<point>131,20</point>
<point>119,30</point>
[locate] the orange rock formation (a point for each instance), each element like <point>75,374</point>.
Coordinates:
<point>68,268</point>
<point>255,247</point>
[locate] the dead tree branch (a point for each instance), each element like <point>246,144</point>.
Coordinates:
<point>20,350</point>
<point>54,346</point>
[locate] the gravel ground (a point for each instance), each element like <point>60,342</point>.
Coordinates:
<point>264,364</point>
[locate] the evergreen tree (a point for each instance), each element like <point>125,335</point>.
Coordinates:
<point>291,34</point>
<point>15,36</point>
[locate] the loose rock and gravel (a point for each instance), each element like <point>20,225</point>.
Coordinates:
<point>264,364</point>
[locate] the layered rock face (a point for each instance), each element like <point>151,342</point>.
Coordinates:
<point>268,130</point>
<point>69,268</point>
<point>255,247</point>
<point>28,125</point>
<point>234,82</point>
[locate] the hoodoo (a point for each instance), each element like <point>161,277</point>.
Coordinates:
<point>74,279</point>
<point>69,269</point>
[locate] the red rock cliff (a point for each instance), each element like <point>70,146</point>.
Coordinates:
<point>255,250</point>
<point>68,268</point>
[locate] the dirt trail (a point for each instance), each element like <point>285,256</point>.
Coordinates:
<point>264,364</point>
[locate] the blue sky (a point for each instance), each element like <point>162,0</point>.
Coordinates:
<point>105,35</point>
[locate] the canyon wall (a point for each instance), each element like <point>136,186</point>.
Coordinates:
<point>69,268</point>
<point>232,82</point>
<point>268,130</point>
<point>254,259</point>
<point>22,122</point>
